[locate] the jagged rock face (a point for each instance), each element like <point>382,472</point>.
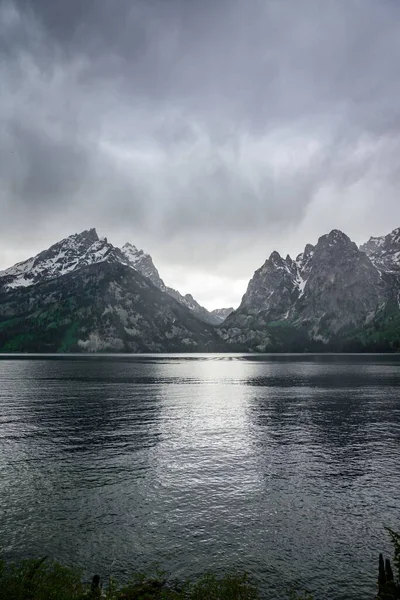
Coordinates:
<point>328,289</point>
<point>189,302</point>
<point>384,252</point>
<point>143,263</point>
<point>84,249</point>
<point>222,313</point>
<point>373,245</point>
<point>105,306</point>
<point>270,295</point>
<point>83,294</point>
<point>70,254</point>
<point>342,287</point>
<point>304,264</point>
<point>275,288</point>
<point>134,312</point>
<point>272,289</point>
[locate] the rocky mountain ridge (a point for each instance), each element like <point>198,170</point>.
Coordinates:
<point>144,264</point>
<point>222,313</point>
<point>384,251</point>
<point>84,294</point>
<point>321,299</point>
<point>68,255</point>
<point>84,249</point>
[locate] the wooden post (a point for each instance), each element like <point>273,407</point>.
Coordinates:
<point>95,589</point>
<point>381,576</point>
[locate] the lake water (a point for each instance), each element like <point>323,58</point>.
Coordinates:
<point>285,466</point>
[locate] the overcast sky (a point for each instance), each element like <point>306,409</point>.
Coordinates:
<point>208,132</point>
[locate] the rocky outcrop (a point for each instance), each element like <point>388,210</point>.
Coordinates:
<point>384,252</point>
<point>71,254</point>
<point>330,290</point>
<point>222,313</point>
<point>143,263</point>
<point>342,289</point>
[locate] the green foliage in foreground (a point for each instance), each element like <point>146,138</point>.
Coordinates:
<point>39,580</point>
<point>45,580</point>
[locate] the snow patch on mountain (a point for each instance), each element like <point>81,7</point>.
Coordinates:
<point>84,249</point>
<point>329,288</point>
<point>142,262</point>
<point>74,252</point>
<point>384,252</point>
<point>301,284</point>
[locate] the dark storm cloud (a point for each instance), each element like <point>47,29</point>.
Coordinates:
<point>209,132</point>
<point>49,168</point>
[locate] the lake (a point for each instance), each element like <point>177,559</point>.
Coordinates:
<point>286,466</point>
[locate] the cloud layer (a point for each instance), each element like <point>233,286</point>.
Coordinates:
<point>210,133</point>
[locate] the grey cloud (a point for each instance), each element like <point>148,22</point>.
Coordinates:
<point>48,168</point>
<point>258,62</point>
<point>208,132</point>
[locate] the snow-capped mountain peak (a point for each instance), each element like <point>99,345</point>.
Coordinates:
<point>74,252</point>
<point>86,248</point>
<point>384,251</point>
<point>129,248</point>
<point>142,262</point>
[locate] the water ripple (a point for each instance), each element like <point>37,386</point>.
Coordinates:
<point>286,466</point>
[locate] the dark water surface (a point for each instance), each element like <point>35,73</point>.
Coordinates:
<point>285,466</point>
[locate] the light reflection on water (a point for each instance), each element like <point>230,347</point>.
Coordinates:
<point>286,466</point>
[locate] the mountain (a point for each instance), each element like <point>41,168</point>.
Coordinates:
<point>70,254</point>
<point>384,331</point>
<point>83,294</point>
<point>384,253</point>
<point>143,263</point>
<point>87,248</point>
<point>327,298</point>
<point>222,313</point>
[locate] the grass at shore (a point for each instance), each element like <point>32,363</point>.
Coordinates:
<point>46,580</point>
